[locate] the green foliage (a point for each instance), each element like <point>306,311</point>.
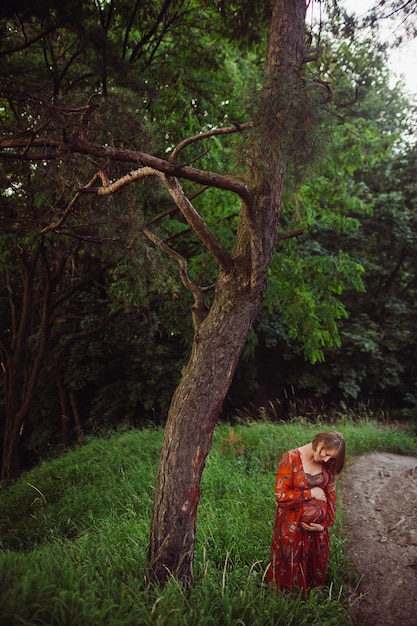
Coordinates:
<point>337,293</point>
<point>167,74</point>
<point>376,356</point>
<point>74,534</point>
<point>307,290</point>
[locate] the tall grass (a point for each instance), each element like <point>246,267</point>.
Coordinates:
<point>74,534</point>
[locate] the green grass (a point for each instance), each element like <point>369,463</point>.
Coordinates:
<point>74,534</point>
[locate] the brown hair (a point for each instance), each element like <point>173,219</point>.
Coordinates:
<point>332,440</point>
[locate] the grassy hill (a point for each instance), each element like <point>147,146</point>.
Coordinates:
<point>74,534</point>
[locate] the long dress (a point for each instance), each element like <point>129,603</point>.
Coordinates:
<point>299,557</point>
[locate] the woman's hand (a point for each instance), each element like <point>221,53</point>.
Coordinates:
<point>317,493</point>
<point>312,527</point>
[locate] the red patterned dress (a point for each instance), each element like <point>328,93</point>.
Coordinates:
<point>299,557</point>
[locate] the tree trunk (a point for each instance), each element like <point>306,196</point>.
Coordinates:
<point>13,446</point>
<point>65,410</point>
<point>17,378</point>
<point>189,430</point>
<point>220,337</point>
<point>77,417</point>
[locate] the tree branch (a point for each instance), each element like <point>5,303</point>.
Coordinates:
<point>151,165</point>
<point>100,175</point>
<point>127,179</point>
<point>172,168</point>
<point>291,233</point>
<point>174,208</point>
<point>209,133</point>
<point>199,309</point>
<point>195,221</point>
<point>198,224</point>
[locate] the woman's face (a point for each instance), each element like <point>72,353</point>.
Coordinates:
<point>322,454</point>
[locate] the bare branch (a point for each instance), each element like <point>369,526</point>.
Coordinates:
<point>199,309</point>
<point>80,146</point>
<point>173,209</point>
<point>100,175</point>
<point>313,54</point>
<point>184,205</point>
<point>128,179</point>
<point>170,211</point>
<point>197,223</point>
<point>349,103</point>
<point>209,133</point>
<point>291,233</point>
<point>28,42</point>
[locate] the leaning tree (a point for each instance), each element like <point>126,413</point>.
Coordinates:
<point>280,138</point>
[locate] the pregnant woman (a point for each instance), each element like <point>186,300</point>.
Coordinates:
<point>306,496</point>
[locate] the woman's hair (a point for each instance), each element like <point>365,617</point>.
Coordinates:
<point>332,440</point>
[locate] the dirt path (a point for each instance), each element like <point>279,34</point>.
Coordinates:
<point>380,500</point>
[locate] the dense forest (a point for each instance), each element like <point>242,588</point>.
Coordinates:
<point>95,323</point>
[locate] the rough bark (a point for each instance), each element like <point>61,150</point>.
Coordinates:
<point>188,434</point>
<point>220,338</point>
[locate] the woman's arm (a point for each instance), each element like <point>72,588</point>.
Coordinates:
<point>287,494</point>
<point>331,502</point>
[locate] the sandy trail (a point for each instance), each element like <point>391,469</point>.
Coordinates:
<point>380,502</point>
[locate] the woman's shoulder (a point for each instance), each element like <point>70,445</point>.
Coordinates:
<point>294,453</point>
<point>291,456</point>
